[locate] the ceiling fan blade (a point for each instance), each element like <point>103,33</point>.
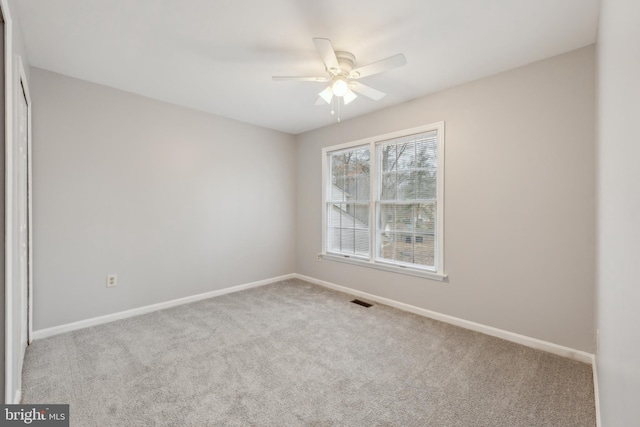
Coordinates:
<point>383,65</point>
<point>320,102</point>
<point>327,94</point>
<point>328,55</point>
<point>301,79</point>
<point>367,91</point>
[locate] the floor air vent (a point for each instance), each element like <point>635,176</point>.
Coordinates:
<point>362,303</point>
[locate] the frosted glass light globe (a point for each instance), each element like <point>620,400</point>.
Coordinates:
<point>340,87</point>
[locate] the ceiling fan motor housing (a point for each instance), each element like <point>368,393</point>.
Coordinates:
<point>346,61</point>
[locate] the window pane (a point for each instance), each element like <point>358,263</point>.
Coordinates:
<point>386,245</point>
<point>347,214</point>
<point>406,185</point>
<point>350,162</point>
<point>363,158</point>
<point>362,242</point>
<point>361,216</point>
<point>388,184</point>
<point>404,217</point>
<point>362,187</point>
<point>406,233</point>
<point>407,211</point>
<point>387,158</point>
<point>336,191</point>
<point>338,168</point>
<point>347,241</point>
<point>426,218</point>
<point>350,188</point>
<point>350,175</point>
<point>352,220</point>
<point>426,187</point>
<point>337,165</point>
<point>386,218</point>
<point>406,155</point>
<point>424,253</point>
<point>334,215</point>
<point>396,247</point>
<point>333,244</point>
<point>348,207</point>
<point>427,151</point>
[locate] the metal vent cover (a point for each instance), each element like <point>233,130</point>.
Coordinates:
<point>362,303</point>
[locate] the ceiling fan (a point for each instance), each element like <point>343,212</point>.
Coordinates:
<point>343,77</point>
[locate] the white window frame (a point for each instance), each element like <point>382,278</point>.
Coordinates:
<point>436,273</point>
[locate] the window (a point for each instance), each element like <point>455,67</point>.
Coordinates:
<point>383,202</point>
<point>349,203</point>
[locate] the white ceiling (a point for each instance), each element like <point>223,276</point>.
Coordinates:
<point>219,55</point>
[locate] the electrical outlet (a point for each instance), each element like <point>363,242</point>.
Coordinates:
<point>319,258</point>
<point>112,280</point>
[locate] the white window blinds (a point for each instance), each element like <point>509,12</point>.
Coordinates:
<point>349,202</point>
<point>407,200</point>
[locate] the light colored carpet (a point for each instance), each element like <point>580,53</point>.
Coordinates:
<point>296,354</point>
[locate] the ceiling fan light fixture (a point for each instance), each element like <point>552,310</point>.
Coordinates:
<point>327,94</point>
<point>349,96</point>
<point>340,87</point>
<point>342,77</point>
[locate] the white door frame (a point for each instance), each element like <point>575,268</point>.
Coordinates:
<point>22,89</point>
<point>14,355</point>
<point>11,393</point>
<point>23,84</point>
<point>20,256</point>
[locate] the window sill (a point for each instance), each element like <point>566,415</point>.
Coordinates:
<point>386,267</point>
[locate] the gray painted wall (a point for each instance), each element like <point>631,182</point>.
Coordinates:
<point>619,213</point>
<point>519,201</point>
<point>176,202</point>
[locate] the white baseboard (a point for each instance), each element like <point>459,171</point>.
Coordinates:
<point>55,330</point>
<point>596,389</point>
<point>549,347</point>
<point>559,350</point>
